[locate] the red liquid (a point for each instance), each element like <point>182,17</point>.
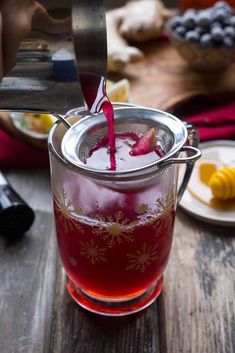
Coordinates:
<point>102,266</point>
<point>99,154</point>
<point>115,244</point>
<point>94,90</point>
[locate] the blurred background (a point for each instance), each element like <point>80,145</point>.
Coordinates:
<point>114,3</point>
<point>108,3</point>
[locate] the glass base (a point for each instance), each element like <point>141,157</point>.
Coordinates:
<point>115,307</point>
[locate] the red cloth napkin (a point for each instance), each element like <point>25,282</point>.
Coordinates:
<point>217,123</point>
<point>16,154</point>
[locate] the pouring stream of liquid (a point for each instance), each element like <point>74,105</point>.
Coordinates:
<point>94,90</point>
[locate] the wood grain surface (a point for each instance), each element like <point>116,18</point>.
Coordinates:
<point>163,80</point>
<point>194,314</point>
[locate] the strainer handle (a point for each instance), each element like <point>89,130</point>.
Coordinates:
<point>193,154</point>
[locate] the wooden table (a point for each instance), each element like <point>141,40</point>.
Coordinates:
<point>194,314</point>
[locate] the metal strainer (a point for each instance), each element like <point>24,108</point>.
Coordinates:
<point>171,136</point>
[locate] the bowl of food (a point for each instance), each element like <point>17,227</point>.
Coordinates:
<point>205,39</point>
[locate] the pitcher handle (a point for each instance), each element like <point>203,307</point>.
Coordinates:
<point>193,154</point>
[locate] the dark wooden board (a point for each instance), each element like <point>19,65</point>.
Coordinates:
<point>163,80</point>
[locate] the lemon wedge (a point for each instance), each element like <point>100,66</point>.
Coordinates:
<point>118,91</point>
<point>222,183</point>
<point>47,121</point>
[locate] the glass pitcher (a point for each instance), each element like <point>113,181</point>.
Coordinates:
<point>115,228</point>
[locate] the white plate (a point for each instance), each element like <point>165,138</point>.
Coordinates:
<point>223,151</point>
<point>17,119</point>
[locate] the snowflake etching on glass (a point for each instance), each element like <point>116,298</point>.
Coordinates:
<point>142,258</point>
<point>66,212</point>
<point>114,229</point>
<point>164,207</point>
<point>92,251</point>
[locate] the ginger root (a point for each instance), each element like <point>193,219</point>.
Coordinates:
<point>139,21</point>
<point>119,52</point>
<point>144,20</point>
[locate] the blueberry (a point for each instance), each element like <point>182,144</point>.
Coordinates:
<point>219,15</point>
<point>189,19</point>
<point>206,39</point>
<point>180,30</point>
<point>219,4</point>
<point>228,42</point>
<point>229,31</point>
<point>222,5</point>
<point>176,21</point>
<point>204,18</point>
<point>216,24</point>
<point>232,21</point>
<point>192,37</point>
<point>190,13</point>
<point>200,30</point>
<point>217,35</point>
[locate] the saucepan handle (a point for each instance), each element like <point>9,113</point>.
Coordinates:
<point>192,154</point>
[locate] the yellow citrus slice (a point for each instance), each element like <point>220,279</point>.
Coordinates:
<point>199,182</point>
<point>118,91</point>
